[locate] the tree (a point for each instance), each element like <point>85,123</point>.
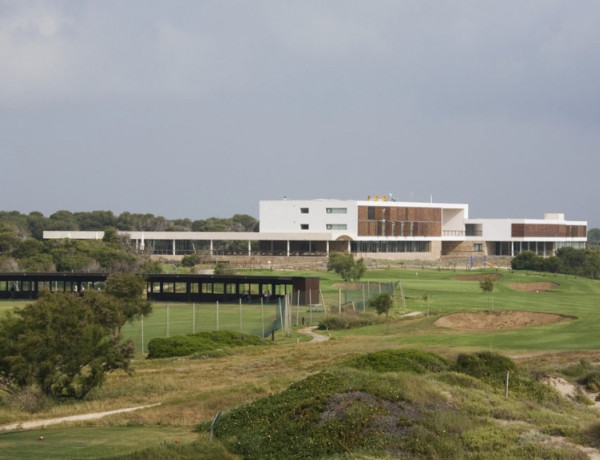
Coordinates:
<point>65,343</point>
<point>345,266</point>
<point>487,285</point>
<point>382,304</point>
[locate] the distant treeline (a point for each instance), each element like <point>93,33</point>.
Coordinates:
<point>569,261</point>
<point>22,247</point>
<point>32,225</point>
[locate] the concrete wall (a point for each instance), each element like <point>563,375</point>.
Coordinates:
<point>286,216</point>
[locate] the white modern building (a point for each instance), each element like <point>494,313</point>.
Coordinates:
<point>374,228</point>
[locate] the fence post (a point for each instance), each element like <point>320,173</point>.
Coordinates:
<point>217,315</point>
<point>194,318</point>
<point>142,323</point>
<point>262,314</point>
<point>241,328</point>
<point>167,321</point>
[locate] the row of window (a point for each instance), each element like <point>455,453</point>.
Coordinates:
<point>328,210</point>
<point>328,226</point>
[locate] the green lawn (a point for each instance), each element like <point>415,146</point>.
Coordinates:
<point>86,442</point>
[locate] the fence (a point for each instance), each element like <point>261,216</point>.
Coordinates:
<point>249,316</point>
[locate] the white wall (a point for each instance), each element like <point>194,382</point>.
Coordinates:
<point>286,216</point>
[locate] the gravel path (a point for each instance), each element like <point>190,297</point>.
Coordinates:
<point>72,418</point>
<point>315,337</point>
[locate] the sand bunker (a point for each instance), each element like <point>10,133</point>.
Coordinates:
<point>479,277</point>
<point>497,320</point>
<point>533,287</point>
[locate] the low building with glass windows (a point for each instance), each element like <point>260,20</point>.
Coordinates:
<point>378,227</point>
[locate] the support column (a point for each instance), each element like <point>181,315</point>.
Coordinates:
<point>173,247</point>
<point>327,247</point>
<point>211,248</point>
<point>249,248</point>
<point>288,248</point>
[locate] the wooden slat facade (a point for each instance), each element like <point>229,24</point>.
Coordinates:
<point>399,221</point>
<point>548,231</point>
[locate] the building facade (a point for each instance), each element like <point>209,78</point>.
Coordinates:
<point>374,228</point>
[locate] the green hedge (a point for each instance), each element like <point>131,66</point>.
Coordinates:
<point>202,342</point>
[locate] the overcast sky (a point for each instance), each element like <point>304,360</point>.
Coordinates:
<point>202,108</point>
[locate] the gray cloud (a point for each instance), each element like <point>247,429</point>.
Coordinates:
<point>193,109</point>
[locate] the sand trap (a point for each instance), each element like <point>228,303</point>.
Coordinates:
<point>479,277</point>
<point>533,287</point>
<point>497,320</point>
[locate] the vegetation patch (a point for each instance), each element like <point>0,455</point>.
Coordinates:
<point>417,361</point>
<point>398,403</point>
<point>348,320</point>
<point>200,343</point>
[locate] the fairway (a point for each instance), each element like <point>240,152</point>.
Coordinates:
<point>86,442</point>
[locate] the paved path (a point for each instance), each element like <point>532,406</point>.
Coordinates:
<point>72,418</point>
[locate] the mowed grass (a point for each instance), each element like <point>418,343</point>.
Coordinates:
<point>87,442</point>
<point>171,319</point>
<point>575,297</point>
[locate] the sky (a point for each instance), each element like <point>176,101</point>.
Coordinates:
<point>197,109</point>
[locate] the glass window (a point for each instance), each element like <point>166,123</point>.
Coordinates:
<point>304,210</point>
<point>371,213</point>
<point>303,226</point>
<point>337,210</point>
<point>478,247</point>
<point>337,227</point>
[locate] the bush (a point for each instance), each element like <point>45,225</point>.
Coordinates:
<point>348,320</point>
<point>416,361</point>
<point>202,342</point>
<point>27,399</point>
<point>190,260</point>
<point>591,381</point>
<point>485,365</point>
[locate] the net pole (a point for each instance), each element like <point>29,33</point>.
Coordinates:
<point>217,315</point>
<point>262,314</point>
<point>142,324</point>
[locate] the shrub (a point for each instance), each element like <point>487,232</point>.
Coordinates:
<point>190,260</point>
<point>27,399</point>
<point>201,342</point>
<point>416,361</point>
<point>591,381</point>
<point>348,320</point>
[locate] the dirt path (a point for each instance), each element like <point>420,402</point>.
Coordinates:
<point>315,337</point>
<point>72,418</point>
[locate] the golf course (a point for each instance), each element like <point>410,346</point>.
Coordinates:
<point>282,396</point>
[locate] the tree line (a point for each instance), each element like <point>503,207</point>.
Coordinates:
<point>568,260</point>
<point>22,247</point>
<point>32,225</point>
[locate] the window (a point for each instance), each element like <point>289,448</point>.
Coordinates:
<point>303,226</point>
<point>371,213</point>
<point>304,210</point>
<point>478,247</point>
<point>337,210</point>
<point>337,227</point>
